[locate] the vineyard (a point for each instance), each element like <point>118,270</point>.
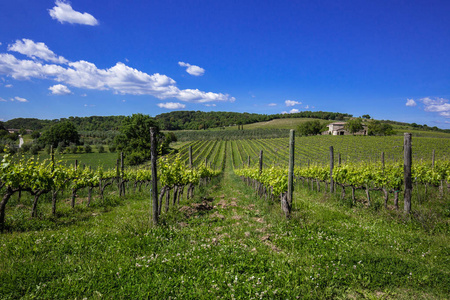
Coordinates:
<point>230,238</point>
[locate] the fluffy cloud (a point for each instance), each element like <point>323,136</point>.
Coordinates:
<point>2,100</point>
<point>59,89</point>
<point>120,78</point>
<point>9,85</point>
<point>171,105</point>
<point>63,12</point>
<point>292,103</point>
<point>36,50</point>
<point>191,69</point>
<point>19,99</point>
<point>294,111</point>
<point>410,102</point>
<point>439,105</point>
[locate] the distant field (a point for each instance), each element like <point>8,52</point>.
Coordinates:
<point>94,160</point>
<point>290,123</point>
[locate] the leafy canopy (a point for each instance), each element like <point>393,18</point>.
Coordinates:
<point>310,128</point>
<point>134,138</point>
<point>61,132</point>
<point>354,125</point>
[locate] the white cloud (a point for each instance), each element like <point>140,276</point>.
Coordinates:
<point>2,100</point>
<point>410,102</point>
<point>63,12</point>
<point>9,85</point>
<point>20,99</point>
<point>60,89</point>
<point>120,78</point>
<point>83,95</point>
<point>171,105</point>
<point>292,103</point>
<point>192,69</point>
<point>36,50</point>
<point>294,111</point>
<point>439,105</point>
<point>210,105</point>
<point>272,104</point>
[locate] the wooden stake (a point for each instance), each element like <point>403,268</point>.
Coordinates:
<point>154,191</point>
<point>407,160</point>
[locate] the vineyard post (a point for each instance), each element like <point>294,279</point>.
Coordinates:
<point>291,168</point>
<point>154,190</point>
<point>260,161</point>
<point>331,169</point>
<point>407,157</point>
<point>339,159</point>
<point>248,161</point>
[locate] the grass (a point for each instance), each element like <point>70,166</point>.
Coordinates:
<point>229,244</point>
<point>106,160</point>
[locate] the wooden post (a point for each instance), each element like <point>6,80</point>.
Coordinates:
<point>248,161</point>
<point>190,157</point>
<point>260,161</point>
<point>331,169</point>
<point>407,158</point>
<point>154,191</point>
<point>291,168</point>
<point>339,159</point>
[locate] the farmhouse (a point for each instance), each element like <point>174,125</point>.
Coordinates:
<point>338,128</point>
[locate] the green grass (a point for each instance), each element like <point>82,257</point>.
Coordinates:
<point>106,160</point>
<point>240,248</point>
<point>288,123</point>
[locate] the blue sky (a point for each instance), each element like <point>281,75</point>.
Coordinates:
<point>389,59</point>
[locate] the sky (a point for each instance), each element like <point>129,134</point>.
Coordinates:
<point>386,58</point>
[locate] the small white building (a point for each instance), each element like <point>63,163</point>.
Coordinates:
<point>338,128</point>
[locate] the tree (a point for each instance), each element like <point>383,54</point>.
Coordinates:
<point>378,128</point>
<point>310,128</point>
<point>354,125</point>
<point>134,138</point>
<point>61,132</point>
<point>367,117</point>
<point>35,134</point>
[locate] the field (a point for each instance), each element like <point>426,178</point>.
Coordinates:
<point>229,243</point>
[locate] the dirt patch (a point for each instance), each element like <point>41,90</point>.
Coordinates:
<point>236,217</point>
<point>222,204</point>
<point>259,220</point>
<point>265,238</point>
<point>273,247</point>
<point>222,236</point>
<point>217,215</point>
<point>233,203</point>
<point>195,207</point>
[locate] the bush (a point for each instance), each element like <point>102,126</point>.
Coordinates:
<point>112,148</point>
<point>73,149</point>
<point>87,149</point>
<point>101,149</point>
<point>34,150</point>
<point>26,147</point>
